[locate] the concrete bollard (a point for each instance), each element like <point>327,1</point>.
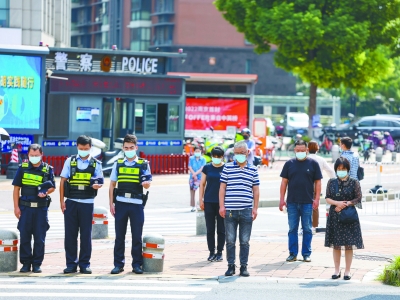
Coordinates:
<point>378,154</point>
<point>153,253</point>
<point>200,222</point>
<point>335,153</point>
<point>8,250</point>
<point>100,223</point>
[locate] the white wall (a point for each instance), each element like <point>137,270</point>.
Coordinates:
<point>11,36</point>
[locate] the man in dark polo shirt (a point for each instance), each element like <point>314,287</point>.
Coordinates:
<point>301,177</point>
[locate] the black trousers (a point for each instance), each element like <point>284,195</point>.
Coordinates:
<point>211,213</point>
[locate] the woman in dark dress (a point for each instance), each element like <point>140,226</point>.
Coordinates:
<point>209,202</point>
<point>341,236</point>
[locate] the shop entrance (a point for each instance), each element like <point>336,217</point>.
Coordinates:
<point>118,119</point>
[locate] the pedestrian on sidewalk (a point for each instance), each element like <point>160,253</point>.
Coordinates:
<point>301,177</point>
<point>345,144</point>
<point>81,177</point>
<point>313,148</point>
<point>35,180</point>
<point>341,193</point>
<point>196,164</point>
<point>209,202</point>
<point>127,202</point>
<point>239,194</point>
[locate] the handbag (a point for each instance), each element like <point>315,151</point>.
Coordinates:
<point>349,214</point>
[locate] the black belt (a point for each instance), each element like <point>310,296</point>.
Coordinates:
<point>130,195</point>
<point>35,204</point>
<point>80,187</point>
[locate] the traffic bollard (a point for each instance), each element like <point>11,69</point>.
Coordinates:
<point>100,223</point>
<point>8,250</point>
<point>200,222</point>
<point>335,153</point>
<point>378,154</point>
<point>153,253</point>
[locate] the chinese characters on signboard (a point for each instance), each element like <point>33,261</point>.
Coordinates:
<point>202,113</point>
<point>16,82</point>
<point>17,139</point>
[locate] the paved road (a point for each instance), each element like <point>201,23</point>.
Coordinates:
<point>221,288</point>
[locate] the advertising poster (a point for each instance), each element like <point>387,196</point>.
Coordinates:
<point>201,113</point>
<point>17,139</point>
<point>20,84</point>
<point>84,114</point>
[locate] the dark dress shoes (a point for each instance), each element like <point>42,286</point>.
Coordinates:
<point>25,268</point>
<point>347,277</point>
<point>243,271</point>
<point>36,269</point>
<point>86,270</point>
<point>336,276</point>
<point>69,270</point>
<point>230,271</point>
<point>137,270</point>
<point>117,270</point>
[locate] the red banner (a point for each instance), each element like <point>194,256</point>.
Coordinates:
<point>201,113</point>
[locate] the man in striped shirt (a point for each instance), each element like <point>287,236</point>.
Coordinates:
<point>238,200</point>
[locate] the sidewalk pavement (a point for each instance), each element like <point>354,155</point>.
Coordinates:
<point>185,257</point>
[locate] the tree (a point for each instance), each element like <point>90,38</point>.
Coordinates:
<point>328,43</point>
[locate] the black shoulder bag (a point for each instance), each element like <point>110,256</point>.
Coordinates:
<point>349,214</point>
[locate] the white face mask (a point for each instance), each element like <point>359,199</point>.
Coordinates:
<point>35,159</point>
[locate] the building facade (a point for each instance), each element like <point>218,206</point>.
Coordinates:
<point>28,22</point>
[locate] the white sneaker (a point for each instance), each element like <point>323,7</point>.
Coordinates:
<point>314,230</point>
<point>193,209</point>
<point>301,232</point>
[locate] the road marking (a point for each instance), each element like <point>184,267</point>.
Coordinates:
<point>92,295</point>
<point>380,224</point>
<point>107,288</point>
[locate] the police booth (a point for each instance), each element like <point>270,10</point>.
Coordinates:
<point>106,94</point>
<point>22,94</point>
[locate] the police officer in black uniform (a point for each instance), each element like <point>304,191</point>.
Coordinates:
<point>127,202</point>
<point>35,180</point>
<point>81,177</point>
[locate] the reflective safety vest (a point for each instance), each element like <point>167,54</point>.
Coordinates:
<point>79,180</point>
<point>128,177</point>
<point>33,177</point>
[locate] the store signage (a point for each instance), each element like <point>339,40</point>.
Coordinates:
<point>160,143</point>
<point>111,85</point>
<point>18,139</point>
<point>20,84</point>
<point>219,113</point>
<point>59,143</point>
<point>140,65</point>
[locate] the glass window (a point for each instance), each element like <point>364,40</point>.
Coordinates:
<point>151,117</point>
<point>173,125</point>
<point>162,118</point>
<point>382,123</point>
<point>139,117</point>
<point>107,115</point>
<point>124,121</point>
<point>4,17</point>
<point>366,123</point>
<point>395,124</point>
<point>248,66</point>
<point>4,4</point>
<point>136,4</point>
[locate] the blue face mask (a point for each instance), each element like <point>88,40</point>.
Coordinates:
<point>301,155</point>
<point>197,154</point>
<point>130,153</point>
<point>83,153</point>
<point>341,174</point>
<point>216,161</point>
<point>240,158</point>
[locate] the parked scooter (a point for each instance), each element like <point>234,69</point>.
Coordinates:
<point>110,157</point>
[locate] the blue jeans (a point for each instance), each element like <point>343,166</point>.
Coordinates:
<point>295,212</point>
<point>233,219</point>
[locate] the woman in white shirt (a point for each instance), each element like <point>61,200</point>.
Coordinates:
<point>323,165</point>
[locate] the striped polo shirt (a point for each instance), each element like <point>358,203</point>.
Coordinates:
<point>239,185</point>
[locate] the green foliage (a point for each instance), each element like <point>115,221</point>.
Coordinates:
<point>330,44</point>
<point>391,273</point>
